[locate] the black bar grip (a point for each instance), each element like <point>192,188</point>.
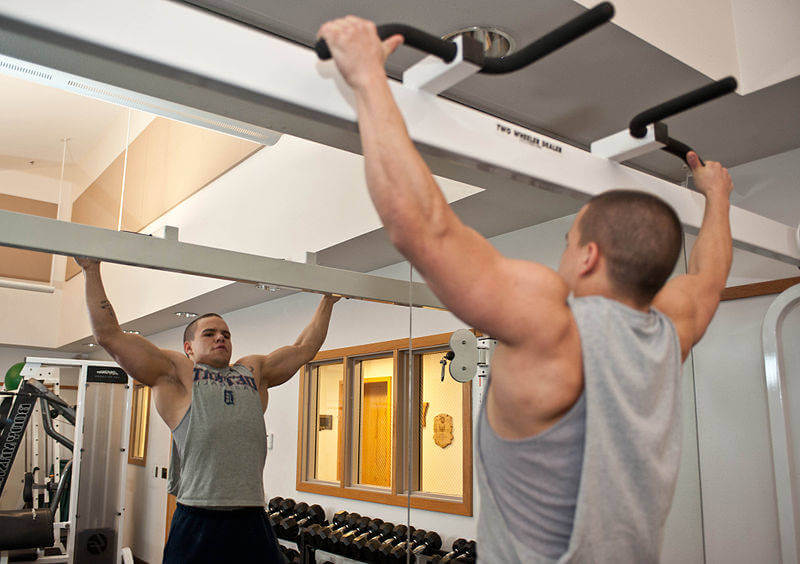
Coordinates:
<point>413,37</point>
<point>557,38</point>
<point>638,125</point>
<point>678,149</point>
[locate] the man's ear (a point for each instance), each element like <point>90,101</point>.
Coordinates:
<point>589,259</point>
<point>187,349</point>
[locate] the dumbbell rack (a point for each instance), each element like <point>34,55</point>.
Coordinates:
<point>311,554</point>
<point>323,556</point>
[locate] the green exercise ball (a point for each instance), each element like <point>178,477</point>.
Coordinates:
<point>14,376</point>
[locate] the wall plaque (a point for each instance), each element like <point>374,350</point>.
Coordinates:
<point>443,430</point>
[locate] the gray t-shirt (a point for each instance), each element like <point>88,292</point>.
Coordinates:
<point>220,446</point>
<point>597,486</point>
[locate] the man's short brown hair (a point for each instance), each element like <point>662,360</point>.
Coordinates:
<point>640,237</point>
<point>188,333</point>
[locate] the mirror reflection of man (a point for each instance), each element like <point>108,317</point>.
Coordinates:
<point>578,441</point>
<point>215,411</point>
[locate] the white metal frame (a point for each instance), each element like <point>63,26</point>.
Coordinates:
<point>32,363</point>
<point>72,239</point>
<point>199,59</point>
<point>782,450</point>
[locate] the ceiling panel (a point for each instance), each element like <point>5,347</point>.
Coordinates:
<point>583,92</point>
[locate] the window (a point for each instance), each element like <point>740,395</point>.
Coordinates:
<point>355,438</point>
<point>140,416</point>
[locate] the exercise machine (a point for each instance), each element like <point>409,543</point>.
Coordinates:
<point>96,473</point>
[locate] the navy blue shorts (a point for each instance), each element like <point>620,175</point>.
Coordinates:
<point>198,535</point>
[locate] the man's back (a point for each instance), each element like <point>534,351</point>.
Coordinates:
<point>620,443</point>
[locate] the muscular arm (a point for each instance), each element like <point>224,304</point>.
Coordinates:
<point>283,363</point>
<point>136,355</point>
<point>692,299</point>
<point>502,297</point>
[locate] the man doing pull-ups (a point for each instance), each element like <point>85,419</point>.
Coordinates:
<point>215,411</point>
<point>579,439</point>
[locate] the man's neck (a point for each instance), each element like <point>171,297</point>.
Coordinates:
<point>607,293</point>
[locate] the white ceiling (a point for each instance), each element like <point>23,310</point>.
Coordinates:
<point>36,118</point>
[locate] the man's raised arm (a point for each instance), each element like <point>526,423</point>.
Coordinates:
<point>280,365</point>
<point>464,270</point>
<point>692,299</point>
<point>136,355</point>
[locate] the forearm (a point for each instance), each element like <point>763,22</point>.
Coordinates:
<point>712,253</point>
<point>400,184</point>
<point>313,336</point>
<point>101,313</point>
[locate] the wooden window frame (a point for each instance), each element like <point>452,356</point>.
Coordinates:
<point>146,420</point>
<point>396,494</point>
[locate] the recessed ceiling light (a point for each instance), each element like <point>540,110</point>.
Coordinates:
<point>496,43</point>
<point>133,332</point>
<point>186,314</point>
<point>90,345</point>
<point>262,286</point>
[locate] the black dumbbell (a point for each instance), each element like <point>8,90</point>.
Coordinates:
<point>283,507</point>
<point>459,547</point>
<point>364,527</point>
<point>315,534</point>
<point>386,547</point>
<point>298,512</point>
<point>371,551</point>
<point>290,527</point>
<point>354,521</point>
<point>306,535</point>
<point>377,531</point>
<point>323,536</point>
<point>462,551</point>
<point>274,503</point>
<point>422,542</point>
<point>400,548</point>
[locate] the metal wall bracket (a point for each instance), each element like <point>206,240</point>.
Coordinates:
<point>623,146</point>
<point>433,75</point>
<point>472,355</point>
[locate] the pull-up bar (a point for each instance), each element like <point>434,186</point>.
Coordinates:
<point>447,50</point>
<point>646,133</point>
<point>638,125</point>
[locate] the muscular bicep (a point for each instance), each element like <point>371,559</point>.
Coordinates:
<point>690,301</point>
<point>141,359</point>
<point>279,366</point>
<point>506,298</point>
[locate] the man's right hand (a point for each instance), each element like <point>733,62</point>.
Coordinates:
<point>713,179</point>
<point>86,262</point>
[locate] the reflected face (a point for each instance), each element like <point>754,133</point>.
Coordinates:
<point>569,266</point>
<point>211,343</point>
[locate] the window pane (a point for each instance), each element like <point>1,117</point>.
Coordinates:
<point>329,385</point>
<point>440,429</point>
<point>375,422</point>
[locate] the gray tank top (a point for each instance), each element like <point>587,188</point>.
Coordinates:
<point>597,486</point>
<point>220,446</point>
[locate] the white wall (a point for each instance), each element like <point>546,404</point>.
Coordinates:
<point>30,319</point>
<point>757,42</point>
<point>700,34</point>
<point>770,187</point>
<point>767,42</point>
<point>736,463</point>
